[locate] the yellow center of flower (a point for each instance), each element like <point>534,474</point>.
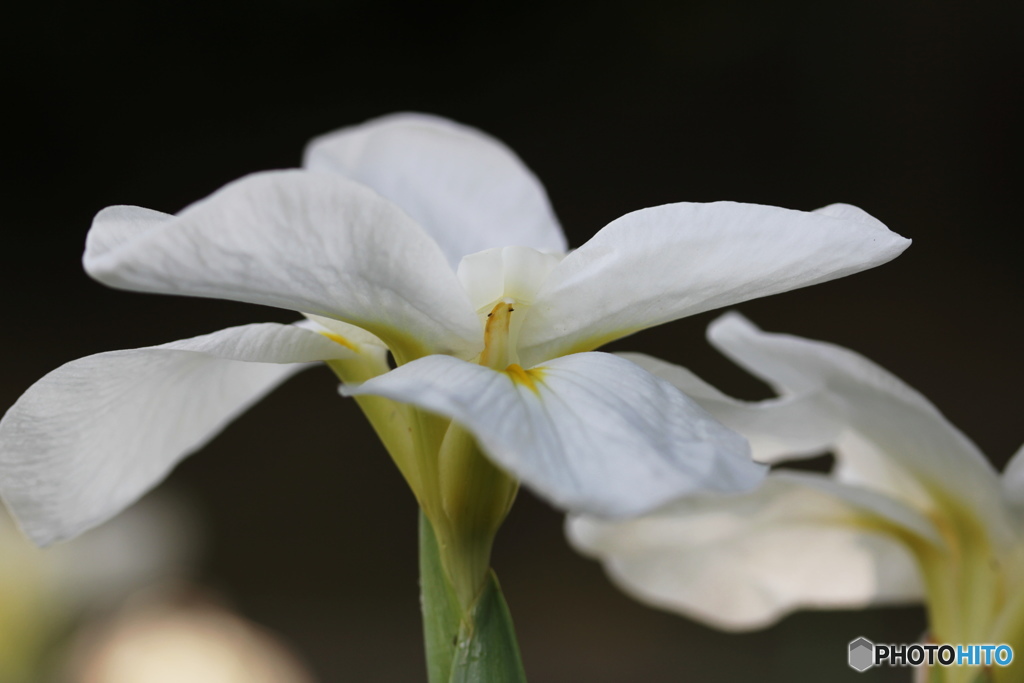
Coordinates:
<point>499,346</point>
<point>527,378</point>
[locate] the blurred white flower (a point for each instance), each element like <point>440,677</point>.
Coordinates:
<point>912,511</point>
<point>431,240</point>
<point>43,592</point>
<point>155,639</point>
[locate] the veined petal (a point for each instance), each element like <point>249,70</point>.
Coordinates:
<point>591,432</point>
<point>744,562</point>
<point>897,442</point>
<point>468,190</point>
<point>778,429</point>
<point>656,265</point>
<point>303,241</point>
<point>119,226</point>
<point>92,436</point>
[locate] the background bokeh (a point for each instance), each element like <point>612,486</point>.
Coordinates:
<point>910,109</point>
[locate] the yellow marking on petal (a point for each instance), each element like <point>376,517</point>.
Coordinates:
<point>337,338</point>
<point>596,342</point>
<point>527,378</point>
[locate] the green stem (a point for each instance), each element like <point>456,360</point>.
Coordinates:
<point>472,645</point>
<point>440,607</point>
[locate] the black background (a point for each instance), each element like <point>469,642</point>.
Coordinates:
<point>910,109</point>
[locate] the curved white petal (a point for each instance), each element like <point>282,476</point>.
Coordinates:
<point>894,515</point>
<point>591,432</point>
<point>356,338</point>
<point>303,241</point>
<point>777,429</point>
<point>468,190</point>
<point>656,265</point>
<point>92,436</point>
<point>119,226</point>
<point>897,442</point>
<point>744,562</point>
<point>505,273</point>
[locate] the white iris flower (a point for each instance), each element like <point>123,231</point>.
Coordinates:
<point>420,237</point>
<point>911,512</point>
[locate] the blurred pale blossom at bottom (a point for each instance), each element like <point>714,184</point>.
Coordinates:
<point>45,593</point>
<point>115,606</point>
<point>154,639</point>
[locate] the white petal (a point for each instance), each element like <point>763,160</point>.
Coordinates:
<point>743,562</point>
<point>777,429</point>
<point>895,515</point>
<point>505,273</point>
<point>119,226</point>
<point>355,337</point>
<point>303,241</point>
<point>660,264</point>
<point>591,432</point>
<point>92,436</point>
<point>468,190</point>
<point>897,442</point>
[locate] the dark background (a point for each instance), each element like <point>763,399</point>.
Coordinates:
<point>910,109</point>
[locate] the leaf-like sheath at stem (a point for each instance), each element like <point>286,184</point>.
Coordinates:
<point>439,605</point>
<point>475,646</point>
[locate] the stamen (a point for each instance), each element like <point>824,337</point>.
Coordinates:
<point>497,350</point>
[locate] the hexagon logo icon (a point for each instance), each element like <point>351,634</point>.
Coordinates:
<point>862,654</point>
